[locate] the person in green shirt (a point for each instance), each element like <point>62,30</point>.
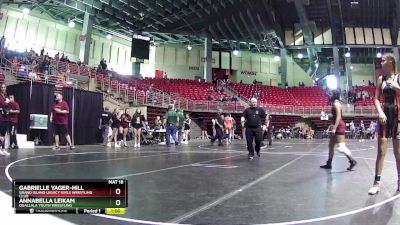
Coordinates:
<point>171,119</point>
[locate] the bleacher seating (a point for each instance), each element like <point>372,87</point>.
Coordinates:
<point>190,89</point>
<point>368,101</point>
<point>308,96</point>
<point>270,95</point>
<point>184,89</point>
<point>2,77</point>
<point>283,121</point>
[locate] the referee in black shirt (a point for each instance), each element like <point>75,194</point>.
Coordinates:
<point>254,116</point>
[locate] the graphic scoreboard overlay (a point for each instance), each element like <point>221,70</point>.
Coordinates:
<point>70,196</point>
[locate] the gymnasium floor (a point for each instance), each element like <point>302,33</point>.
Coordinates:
<point>203,184</point>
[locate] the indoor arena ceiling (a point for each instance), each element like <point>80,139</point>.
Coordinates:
<point>253,24</point>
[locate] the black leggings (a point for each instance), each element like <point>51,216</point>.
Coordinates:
<point>12,129</point>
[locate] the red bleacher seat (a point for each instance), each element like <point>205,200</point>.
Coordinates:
<point>270,95</point>
<point>190,89</point>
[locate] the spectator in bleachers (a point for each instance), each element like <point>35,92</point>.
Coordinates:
<point>14,62</point>
<point>103,64</point>
<point>257,95</point>
<point>220,89</point>
<point>33,76</point>
<point>358,96</point>
<point>31,54</point>
<point>222,83</point>
<point>351,97</point>
<point>2,43</point>
<point>42,51</point>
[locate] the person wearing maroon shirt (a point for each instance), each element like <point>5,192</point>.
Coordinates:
<point>3,118</point>
<point>59,118</point>
<point>125,121</point>
<point>13,121</point>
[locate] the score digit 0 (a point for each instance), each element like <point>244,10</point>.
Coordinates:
<point>117,202</point>
<point>118,191</point>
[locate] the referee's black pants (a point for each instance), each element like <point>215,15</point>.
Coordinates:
<point>257,135</point>
<point>219,134</point>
